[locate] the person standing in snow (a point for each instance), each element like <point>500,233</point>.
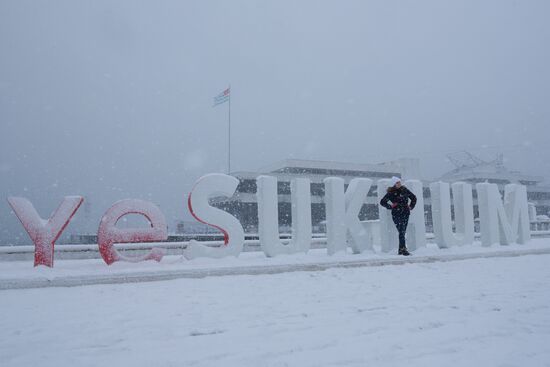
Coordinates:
<point>397,200</point>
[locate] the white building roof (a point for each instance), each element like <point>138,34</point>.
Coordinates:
<point>286,164</point>
<point>490,171</point>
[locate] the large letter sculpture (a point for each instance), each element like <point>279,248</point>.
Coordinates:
<point>268,214</point>
<point>108,234</point>
<point>206,187</point>
<point>503,223</point>
<point>342,210</point>
<point>493,223</point>
<point>517,208</point>
<point>388,233</point>
<point>441,214</point>
<point>416,231</point>
<point>44,233</point>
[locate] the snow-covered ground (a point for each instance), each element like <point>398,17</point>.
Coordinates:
<point>480,312</point>
<point>22,274</point>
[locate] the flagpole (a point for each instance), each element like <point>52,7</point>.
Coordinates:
<point>229,135</point>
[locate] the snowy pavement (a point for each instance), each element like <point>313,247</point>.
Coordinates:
<point>479,312</point>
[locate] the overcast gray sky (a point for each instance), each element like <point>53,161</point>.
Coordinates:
<point>113,99</point>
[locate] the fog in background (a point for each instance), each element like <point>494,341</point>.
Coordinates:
<point>113,99</point>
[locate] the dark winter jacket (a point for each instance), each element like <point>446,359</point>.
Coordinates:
<point>397,199</point>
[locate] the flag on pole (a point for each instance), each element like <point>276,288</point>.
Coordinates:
<point>222,97</point>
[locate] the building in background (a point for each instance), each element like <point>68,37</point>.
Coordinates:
<point>244,206</point>
<point>472,169</point>
<point>469,168</point>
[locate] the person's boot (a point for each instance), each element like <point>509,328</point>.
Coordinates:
<point>403,251</point>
